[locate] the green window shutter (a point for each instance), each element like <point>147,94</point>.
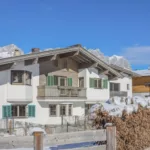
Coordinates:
<point>50,80</point>
<point>9,114</point>
<point>31,111</point>
<point>105,84</point>
<point>91,82</point>
<point>69,81</point>
<point>4,111</point>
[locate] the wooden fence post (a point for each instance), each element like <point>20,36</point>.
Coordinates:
<point>38,140</point>
<point>111,138</point>
<point>10,127</point>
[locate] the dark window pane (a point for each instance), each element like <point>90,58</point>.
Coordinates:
<point>52,110</point>
<point>99,83</point>
<point>14,111</point>
<point>95,83</point>
<point>62,110</point>
<point>62,82</point>
<point>22,111</point>
<point>70,110</point>
<point>55,80</point>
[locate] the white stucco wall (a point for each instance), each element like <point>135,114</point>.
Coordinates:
<point>18,94</point>
<point>91,93</point>
<point>123,84</point>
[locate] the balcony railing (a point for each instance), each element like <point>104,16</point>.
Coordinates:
<point>61,91</point>
<point>118,93</point>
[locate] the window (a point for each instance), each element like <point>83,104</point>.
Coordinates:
<point>81,82</point>
<point>114,87</point>
<point>70,110</point>
<point>63,81</point>
<point>14,111</point>
<point>95,83</point>
<point>52,110</point>
<point>21,77</point>
<point>59,80</point>
<point>62,110</point>
<point>87,107</point>
<point>128,87</point>
<point>18,110</point>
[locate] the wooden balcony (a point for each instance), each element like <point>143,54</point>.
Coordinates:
<point>118,93</point>
<point>61,91</point>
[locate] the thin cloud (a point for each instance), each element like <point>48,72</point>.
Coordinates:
<point>137,55</point>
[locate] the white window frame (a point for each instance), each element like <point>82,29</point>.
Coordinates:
<point>18,111</point>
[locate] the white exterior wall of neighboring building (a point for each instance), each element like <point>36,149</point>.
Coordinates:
<point>94,95</point>
<point>123,85</point>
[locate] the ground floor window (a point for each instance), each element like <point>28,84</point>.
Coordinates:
<point>70,110</point>
<point>18,110</point>
<point>52,110</point>
<point>60,109</point>
<point>87,107</point>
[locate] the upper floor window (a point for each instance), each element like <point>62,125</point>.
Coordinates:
<point>95,83</point>
<point>20,77</point>
<point>114,86</point>
<point>59,80</point>
<point>81,82</point>
<point>128,86</point>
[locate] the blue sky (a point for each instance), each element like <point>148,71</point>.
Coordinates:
<point>120,27</point>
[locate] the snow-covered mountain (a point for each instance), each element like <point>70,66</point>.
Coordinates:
<point>8,51</point>
<point>116,60</point>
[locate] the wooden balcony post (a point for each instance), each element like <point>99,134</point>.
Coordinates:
<point>111,138</point>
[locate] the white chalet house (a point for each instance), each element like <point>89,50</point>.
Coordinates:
<point>40,87</point>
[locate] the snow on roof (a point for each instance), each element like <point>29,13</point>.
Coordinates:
<point>143,72</point>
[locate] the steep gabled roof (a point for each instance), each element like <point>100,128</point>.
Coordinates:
<point>77,52</point>
<point>124,70</point>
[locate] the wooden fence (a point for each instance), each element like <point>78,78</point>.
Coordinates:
<point>108,135</point>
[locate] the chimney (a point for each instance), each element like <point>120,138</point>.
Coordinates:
<point>35,50</point>
<point>17,52</point>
